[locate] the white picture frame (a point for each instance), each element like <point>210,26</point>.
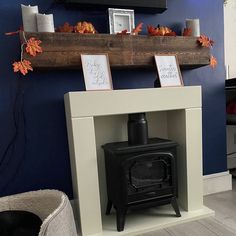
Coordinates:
<point>96,71</point>
<point>121,19</point>
<point>168,70</point>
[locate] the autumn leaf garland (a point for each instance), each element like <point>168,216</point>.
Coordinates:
<point>22,66</point>
<point>205,41</point>
<point>82,27</point>
<point>31,46</point>
<point>160,31</point>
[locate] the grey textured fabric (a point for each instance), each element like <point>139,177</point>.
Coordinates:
<point>52,206</point>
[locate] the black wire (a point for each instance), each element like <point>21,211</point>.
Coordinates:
<point>18,113</point>
<point>15,120</point>
<point>21,159</point>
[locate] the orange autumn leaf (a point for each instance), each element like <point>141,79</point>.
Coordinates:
<point>22,66</point>
<point>153,31</point>
<point>170,34</point>
<point>66,28</point>
<point>165,30</point>
<point>85,27</point>
<point>187,32</point>
<point>33,47</point>
<point>123,32</point>
<point>137,29</point>
<point>213,62</point>
<point>205,41</point>
<point>160,31</point>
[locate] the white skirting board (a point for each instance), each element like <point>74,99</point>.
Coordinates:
<point>216,183</point>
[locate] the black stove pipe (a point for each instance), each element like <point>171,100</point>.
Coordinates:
<point>137,129</point>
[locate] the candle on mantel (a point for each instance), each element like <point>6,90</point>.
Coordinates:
<point>29,18</point>
<point>193,24</point>
<point>45,23</point>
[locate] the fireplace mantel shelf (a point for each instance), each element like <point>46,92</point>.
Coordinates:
<point>63,50</point>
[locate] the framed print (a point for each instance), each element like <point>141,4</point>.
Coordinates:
<point>120,19</point>
<point>96,70</point>
<point>168,70</point>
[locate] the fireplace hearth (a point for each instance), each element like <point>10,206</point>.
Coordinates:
<point>140,176</point>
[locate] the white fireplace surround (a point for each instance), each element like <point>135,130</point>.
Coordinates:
<point>98,117</point>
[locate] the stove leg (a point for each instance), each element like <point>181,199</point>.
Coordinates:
<point>109,206</point>
<point>175,206</point>
<point>120,218</point>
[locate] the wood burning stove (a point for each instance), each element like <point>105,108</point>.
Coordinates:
<point>140,175</point>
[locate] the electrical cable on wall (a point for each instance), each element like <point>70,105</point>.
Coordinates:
<point>11,157</point>
<point>11,160</point>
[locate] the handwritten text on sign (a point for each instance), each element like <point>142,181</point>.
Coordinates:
<point>168,70</point>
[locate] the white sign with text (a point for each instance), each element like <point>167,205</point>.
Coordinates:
<point>97,74</point>
<point>168,70</point>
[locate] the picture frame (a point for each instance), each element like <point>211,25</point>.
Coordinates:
<point>121,19</point>
<point>96,71</point>
<point>168,70</point>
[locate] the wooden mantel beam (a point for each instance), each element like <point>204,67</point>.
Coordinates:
<point>63,50</point>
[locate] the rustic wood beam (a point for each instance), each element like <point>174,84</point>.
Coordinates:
<point>63,50</point>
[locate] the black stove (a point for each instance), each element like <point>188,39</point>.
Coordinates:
<point>142,175</point>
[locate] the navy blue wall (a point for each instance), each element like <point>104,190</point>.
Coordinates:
<point>33,145</point>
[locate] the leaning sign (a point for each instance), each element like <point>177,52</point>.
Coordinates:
<point>168,70</point>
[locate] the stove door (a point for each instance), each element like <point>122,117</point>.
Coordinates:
<point>150,175</point>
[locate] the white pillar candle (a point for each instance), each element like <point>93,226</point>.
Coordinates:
<point>193,24</point>
<point>45,23</point>
<point>29,18</point>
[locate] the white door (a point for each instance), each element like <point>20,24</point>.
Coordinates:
<point>230,38</point>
